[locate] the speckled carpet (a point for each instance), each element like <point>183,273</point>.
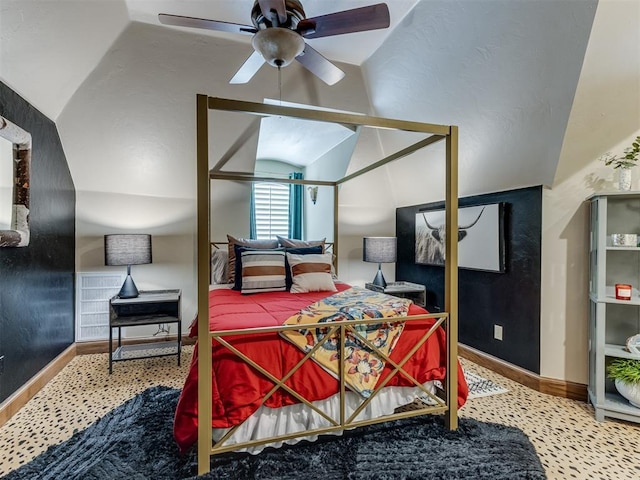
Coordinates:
<point>134,441</point>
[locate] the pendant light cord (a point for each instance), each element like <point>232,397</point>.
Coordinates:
<point>280,84</point>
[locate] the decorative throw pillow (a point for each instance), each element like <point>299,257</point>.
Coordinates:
<point>245,242</point>
<point>295,243</point>
<point>262,271</point>
<point>237,282</point>
<point>219,263</point>
<point>298,251</point>
<point>311,273</point>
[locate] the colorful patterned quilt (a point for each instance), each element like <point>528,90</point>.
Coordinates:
<point>362,366</point>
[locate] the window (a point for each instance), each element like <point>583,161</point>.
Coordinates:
<point>271,209</point>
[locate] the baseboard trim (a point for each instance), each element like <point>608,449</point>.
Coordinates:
<point>551,386</point>
<point>563,388</point>
<point>102,346</point>
<point>20,397</point>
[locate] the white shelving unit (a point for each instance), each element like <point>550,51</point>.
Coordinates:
<point>612,321</point>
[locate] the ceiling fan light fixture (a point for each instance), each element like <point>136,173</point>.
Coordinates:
<point>280,30</point>
<point>278,46</point>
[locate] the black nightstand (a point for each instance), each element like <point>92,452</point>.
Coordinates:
<point>413,291</point>
<point>148,308</point>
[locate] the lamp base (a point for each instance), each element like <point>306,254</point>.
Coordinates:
<point>128,289</point>
<point>379,279</point>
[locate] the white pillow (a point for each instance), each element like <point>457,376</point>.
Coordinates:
<point>311,273</point>
<point>219,260</point>
<point>295,243</point>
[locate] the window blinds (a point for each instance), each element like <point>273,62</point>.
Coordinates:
<point>271,203</point>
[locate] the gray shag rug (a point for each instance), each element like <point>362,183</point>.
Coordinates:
<point>135,441</point>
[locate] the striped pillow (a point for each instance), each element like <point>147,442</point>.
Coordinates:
<point>263,271</point>
<point>244,242</point>
<point>298,251</point>
<point>311,273</point>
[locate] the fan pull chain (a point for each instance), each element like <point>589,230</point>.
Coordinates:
<point>280,83</point>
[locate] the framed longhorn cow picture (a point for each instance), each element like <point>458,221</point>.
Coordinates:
<point>480,237</point>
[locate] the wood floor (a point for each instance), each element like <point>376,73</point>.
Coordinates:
<point>569,442</point>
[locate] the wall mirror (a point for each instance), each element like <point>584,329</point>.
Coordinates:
<point>15,163</point>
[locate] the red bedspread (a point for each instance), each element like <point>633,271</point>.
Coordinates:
<point>237,389</point>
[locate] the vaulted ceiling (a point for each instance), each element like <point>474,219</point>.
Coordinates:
<point>64,40</point>
<point>121,87</point>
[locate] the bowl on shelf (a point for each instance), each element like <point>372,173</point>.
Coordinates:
<point>624,240</point>
<point>630,391</point>
<point>633,344</point>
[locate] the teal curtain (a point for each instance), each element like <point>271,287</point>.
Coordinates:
<point>296,193</point>
<point>252,214</point>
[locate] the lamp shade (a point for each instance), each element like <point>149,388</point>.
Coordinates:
<point>379,249</point>
<point>127,249</point>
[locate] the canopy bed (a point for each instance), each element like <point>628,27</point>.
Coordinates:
<point>251,373</point>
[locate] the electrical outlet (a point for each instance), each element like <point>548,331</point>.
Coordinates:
<point>497,332</point>
<point>1,364</point>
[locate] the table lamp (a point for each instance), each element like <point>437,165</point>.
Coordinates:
<point>379,250</point>
<point>127,249</point>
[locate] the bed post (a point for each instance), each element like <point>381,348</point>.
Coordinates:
<point>451,275</point>
<point>203,248</point>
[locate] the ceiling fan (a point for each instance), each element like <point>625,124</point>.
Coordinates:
<point>280,30</point>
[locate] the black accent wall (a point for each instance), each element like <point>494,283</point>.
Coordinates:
<point>510,299</point>
<point>37,282</point>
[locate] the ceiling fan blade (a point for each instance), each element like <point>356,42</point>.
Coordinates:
<point>313,61</point>
<point>248,69</point>
<point>361,19</point>
<point>277,6</point>
<point>180,21</point>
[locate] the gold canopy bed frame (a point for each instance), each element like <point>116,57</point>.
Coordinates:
<point>448,319</point>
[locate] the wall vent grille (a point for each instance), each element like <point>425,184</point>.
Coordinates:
<point>92,304</point>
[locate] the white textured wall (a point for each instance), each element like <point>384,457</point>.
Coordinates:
<point>505,72</point>
<point>332,166</point>
<point>129,136</point>
<point>47,48</point>
<point>564,324</point>
<point>605,117</point>
<point>363,204</point>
